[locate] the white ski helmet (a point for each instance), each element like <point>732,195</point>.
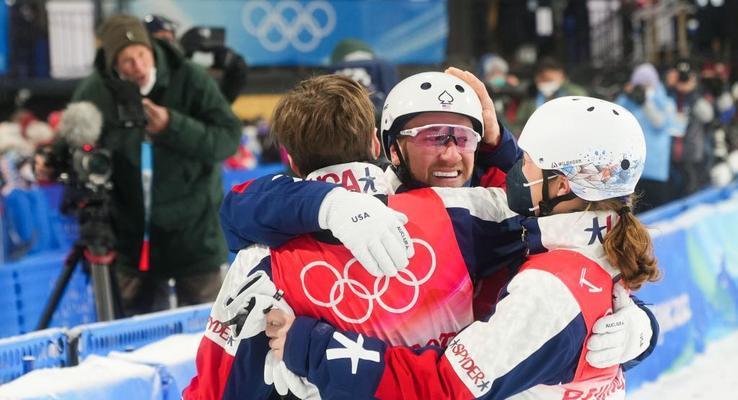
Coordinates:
<point>598,145</point>
<point>428,92</point>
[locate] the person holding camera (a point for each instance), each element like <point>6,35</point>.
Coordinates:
<point>168,128</point>
<point>645,96</point>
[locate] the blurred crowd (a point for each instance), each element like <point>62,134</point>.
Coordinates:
<point>687,110</point>
<point>20,137</point>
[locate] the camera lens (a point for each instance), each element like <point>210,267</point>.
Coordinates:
<point>99,163</point>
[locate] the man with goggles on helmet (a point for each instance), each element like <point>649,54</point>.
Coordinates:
<point>438,133</point>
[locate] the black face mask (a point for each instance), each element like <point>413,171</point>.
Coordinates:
<point>518,191</point>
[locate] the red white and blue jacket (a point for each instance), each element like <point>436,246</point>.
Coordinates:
<point>456,233</point>
<point>531,347</point>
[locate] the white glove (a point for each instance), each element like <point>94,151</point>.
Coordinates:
<point>621,336</point>
<point>284,380</point>
<point>247,306</point>
<point>372,232</point>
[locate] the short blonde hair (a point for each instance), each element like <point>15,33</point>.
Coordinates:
<point>325,120</point>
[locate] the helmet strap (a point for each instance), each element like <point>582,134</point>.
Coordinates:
<point>547,205</point>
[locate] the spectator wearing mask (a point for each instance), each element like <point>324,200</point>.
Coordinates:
<point>206,46</point>
<point>706,106</point>
<point>166,171</point>
<point>646,98</point>
<point>550,82</point>
<point>503,87</point>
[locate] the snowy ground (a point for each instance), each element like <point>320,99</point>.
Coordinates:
<point>712,375</point>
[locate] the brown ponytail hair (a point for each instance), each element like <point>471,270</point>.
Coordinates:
<point>628,245</point>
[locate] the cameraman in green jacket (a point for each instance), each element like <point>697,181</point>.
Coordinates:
<point>168,136</point>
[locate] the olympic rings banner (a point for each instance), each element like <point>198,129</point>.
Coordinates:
<point>304,32</point>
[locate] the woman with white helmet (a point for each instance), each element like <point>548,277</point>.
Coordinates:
<point>583,158</point>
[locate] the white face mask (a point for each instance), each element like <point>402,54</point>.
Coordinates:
<point>146,89</point>
<point>547,89</point>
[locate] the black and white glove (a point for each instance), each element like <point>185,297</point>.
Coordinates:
<point>619,337</point>
<point>284,380</point>
<point>247,306</point>
<point>374,233</point>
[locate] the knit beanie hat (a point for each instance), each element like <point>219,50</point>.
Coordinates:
<point>119,31</point>
<point>351,50</point>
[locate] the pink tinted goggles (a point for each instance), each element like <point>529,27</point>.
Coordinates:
<point>439,135</point>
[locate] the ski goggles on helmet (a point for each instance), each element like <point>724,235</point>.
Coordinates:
<point>439,135</point>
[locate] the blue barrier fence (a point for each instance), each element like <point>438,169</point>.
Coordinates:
<point>25,287</point>
<point>131,333</point>
<point>57,347</point>
<point>42,349</point>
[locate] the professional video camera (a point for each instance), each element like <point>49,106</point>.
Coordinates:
<point>85,169</point>
<point>91,166</point>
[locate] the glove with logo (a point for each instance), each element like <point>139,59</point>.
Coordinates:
<point>372,232</point>
<point>621,336</point>
<point>284,380</point>
<point>246,307</point>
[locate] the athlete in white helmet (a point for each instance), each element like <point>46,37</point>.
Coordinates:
<point>583,158</point>
<point>596,145</point>
<point>433,124</point>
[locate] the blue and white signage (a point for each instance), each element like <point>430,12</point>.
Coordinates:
<point>304,32</point>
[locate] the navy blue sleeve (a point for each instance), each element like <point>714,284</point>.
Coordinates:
<point>503,156</point>
<point>654,338</point>
<point>341,364</point>
<point>487,245</point>
<point>271,210</point>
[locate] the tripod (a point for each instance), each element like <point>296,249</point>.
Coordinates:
<point>96,246</point>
